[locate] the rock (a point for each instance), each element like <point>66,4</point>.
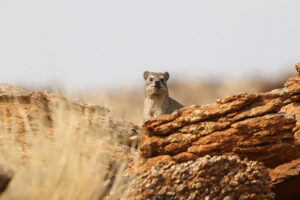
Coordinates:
<point>285,180</point>
<point>26,114</point>
<point>254,127</point>
<point>28,109</point>
<point>244,125</point>
<point>6,175</point>
<point>227,177</point>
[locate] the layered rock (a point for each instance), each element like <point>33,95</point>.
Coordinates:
<point>28,111</point>
<point>216,151</point>
<point>244,125</point>
<point>260,127</point>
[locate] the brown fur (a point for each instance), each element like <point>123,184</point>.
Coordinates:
<point>157,101</point>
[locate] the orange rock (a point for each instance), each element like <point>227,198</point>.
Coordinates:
<point>217,177</point>
<point>285,180</point>
<point>248,125</point>
<point>24,110</point>
<point>262,127</point>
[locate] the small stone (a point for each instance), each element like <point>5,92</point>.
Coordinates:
<point>225,179</point>
<point>227,198</point>
<point>242,178</point>
<point>140,190</point>
<point>178,181</point>
<point>232,158</point>
<point>249,169</point>
<point>255,182</point>
<point>162,191</point>
<point>198,185</point>
<point>180,188</point>
<point>218,159</point>
<point>171,193</point>
<point>234,183</point>
<point>154,172</point>
<point>190,162</point>
<point>173,167</point>
<point>206,191</point>
<point>257,173</point>
<point>154,181</point>
<point>195,195</point>
<point>212,179</point>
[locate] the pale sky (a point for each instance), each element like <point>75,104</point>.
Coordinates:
<point>90,43</point>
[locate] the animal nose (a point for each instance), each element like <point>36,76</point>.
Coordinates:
<point>157,83</point>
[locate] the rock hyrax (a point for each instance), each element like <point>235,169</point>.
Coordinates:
<point>157,101</point>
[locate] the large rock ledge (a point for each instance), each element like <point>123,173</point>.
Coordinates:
<point>18,105</point>
<point>262,127</point>
<point>245,125</point>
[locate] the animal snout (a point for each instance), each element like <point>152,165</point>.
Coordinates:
<point>157,83</point>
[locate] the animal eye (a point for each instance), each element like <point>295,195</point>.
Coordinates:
<point>150,79</point>
<point>162,80</point>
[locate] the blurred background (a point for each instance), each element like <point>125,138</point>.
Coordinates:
<point>98,50</point>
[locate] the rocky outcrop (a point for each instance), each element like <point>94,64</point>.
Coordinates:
<point>28,111</point>
<point>244,125</point>
<point>25,111</point>
<point>243,146</point>
<point>207,178</point>
<point>261,127</point>
<point>27,114</point>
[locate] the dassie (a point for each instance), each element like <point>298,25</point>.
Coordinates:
<point>157,101</point>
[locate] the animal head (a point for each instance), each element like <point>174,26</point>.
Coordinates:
<point>156,83</point>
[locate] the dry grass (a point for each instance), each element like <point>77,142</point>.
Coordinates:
<point>65,163</point>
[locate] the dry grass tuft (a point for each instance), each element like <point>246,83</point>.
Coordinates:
<point>66,162</point>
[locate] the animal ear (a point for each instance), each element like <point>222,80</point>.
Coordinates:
<point>166,75</point>
<point>146,74</point>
